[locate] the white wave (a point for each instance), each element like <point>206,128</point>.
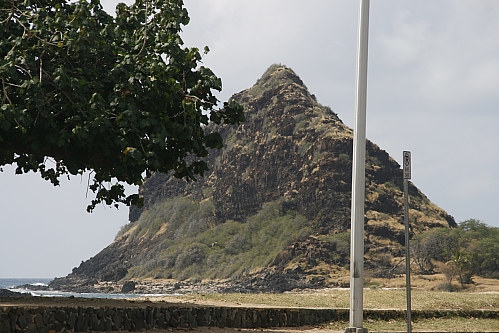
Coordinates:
<point>20,290</point>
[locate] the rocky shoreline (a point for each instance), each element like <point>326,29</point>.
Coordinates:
<point>272,281</point>
<point>9,293</point>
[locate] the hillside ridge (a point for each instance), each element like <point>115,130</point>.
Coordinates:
<point>275,203</point>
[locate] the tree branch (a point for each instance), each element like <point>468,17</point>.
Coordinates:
<point>5,95</point>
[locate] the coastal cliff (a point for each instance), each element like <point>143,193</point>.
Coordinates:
<point>273,212</point>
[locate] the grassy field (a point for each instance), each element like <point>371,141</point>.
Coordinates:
<point>426,325</point>
<point>376,299</point>
<point>373,299</point>
<point>484,295</point>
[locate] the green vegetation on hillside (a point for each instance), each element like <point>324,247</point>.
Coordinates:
<point>191,245</point>
<point>188,243</point>
<point>470,249</point>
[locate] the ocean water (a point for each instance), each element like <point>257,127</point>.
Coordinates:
<point>12,283</point>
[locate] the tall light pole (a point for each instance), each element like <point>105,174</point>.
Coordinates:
<point>359,178</point>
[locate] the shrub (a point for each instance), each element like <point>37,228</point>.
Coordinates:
<point>193,254</point>
<point>447,286</point>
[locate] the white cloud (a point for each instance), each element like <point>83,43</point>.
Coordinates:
<point>444,56</point>
<point>405,43</point>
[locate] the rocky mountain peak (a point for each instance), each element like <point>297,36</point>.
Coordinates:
<point>277,197</point>
<point>282,93</point>
<point>294,149</point>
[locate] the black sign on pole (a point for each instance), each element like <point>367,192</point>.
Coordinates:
<point>407,165</point>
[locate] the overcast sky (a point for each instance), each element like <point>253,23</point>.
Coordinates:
<point>433,89</point>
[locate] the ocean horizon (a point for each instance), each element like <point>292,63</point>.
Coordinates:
<point>7,283</point>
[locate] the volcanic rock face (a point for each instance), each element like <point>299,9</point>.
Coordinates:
<point>291,147</point>
<point>293,151</point>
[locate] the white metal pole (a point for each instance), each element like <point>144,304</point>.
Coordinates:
<point>358,177</point>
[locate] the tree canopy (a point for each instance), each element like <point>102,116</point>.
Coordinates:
<point>118,96</point>
<point>471,249</point>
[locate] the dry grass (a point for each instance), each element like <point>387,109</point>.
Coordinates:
<point>425,325</point>
<point>483,295</point>
<point>383,294</point>
<point>373,299</point>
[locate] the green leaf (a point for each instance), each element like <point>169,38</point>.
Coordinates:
<point>98,106</point>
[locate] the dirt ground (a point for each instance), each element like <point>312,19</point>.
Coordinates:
<point>68,302</point>
<point>302,329</point>
<point>432,282</point>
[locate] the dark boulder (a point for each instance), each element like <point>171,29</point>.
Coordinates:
<point>128,287</point>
